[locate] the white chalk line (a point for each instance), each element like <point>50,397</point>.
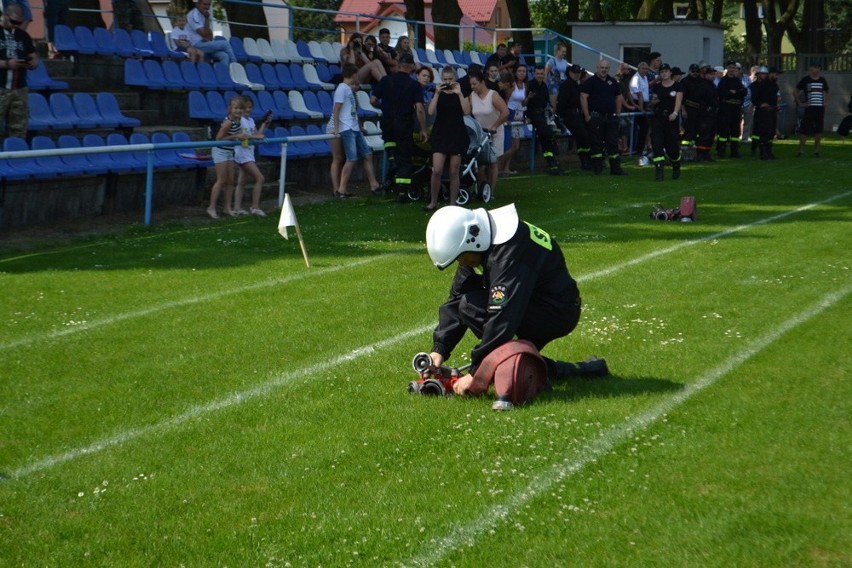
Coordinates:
<point>267,386</point>
<point>609,439</point>
<point>94,324</point>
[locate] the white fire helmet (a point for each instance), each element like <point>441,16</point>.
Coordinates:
<point>454,230</point>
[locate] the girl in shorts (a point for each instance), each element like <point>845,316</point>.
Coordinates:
<point>223,157</point>
<point>244,157</point>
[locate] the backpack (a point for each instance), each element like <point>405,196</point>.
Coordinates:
<point>518,372</point>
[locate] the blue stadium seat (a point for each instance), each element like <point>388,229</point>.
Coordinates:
<point>223,76</point>
<point>167,157</point>
<point>126,159</point>
<point>41,117</point>
<point>64,40</point>
<point>104,43</point>
<point>158,44</point>
<point>173,76</point>
<point>255,76</point>
<point>39,80</point>
<point>238,49</point>
<point>217,104</point>
<point>123,44</point>
<point>321,147</point>
<point>462,57</point>
<point>282,101</point>
<point>85,41</point>
<point>313,104</point>
<point>18,168</point>
<point>270,77</point>
<point>324,73</point>
<point>305,51</point>
<point>267,103</point>
<point>304,148</point>
<point>108,106</point>
<point>99,163</point>
<point>198,107</point>
<point>284,77</point>
<point>141,43</point>
<point>326,104</point>
<point>54,163</point>
<point>207,75</point>
<point>141,156</point>
<point>273,149</point>
<point>299,78</point>
<point>154,72</point>
<point>190,154</point>
<point>134,74</point>
<point>87,110</point>
<point>191,79</point>
<point>63,109</point>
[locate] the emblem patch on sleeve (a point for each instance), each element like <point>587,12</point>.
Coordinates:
<point>496,297</point>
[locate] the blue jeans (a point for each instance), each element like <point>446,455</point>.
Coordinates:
<point>354,145</point>
<point>219,49</point>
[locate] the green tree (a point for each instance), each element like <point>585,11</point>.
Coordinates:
<point>446,12</point>
<point>318,26</point>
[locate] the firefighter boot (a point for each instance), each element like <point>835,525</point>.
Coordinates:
<point>615,167</point>
<point>720,149</point>
<point>597,166</point>
<point>769,154</point>
<point>676,170</point>
<point>591,367</point>
<point>658,171</point>
<point>735,150</point>
<point>585,161</point>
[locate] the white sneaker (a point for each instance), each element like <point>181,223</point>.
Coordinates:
<point>258,212</point>
<point>239,213</point>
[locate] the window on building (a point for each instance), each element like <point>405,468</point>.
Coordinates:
<point>634,54</point>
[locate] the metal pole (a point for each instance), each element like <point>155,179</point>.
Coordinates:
<point>149,188</point>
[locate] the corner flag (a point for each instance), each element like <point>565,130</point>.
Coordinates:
<point>288,219</point>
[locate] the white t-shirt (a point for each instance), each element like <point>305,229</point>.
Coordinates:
<point>195,20</point>
<point>349,109</point>
<point>245,154</point>
<point>638,84</point>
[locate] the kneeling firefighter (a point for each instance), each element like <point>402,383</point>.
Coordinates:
<point>511,281</point>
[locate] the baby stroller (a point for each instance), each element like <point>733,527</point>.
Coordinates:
<point>478,145</point>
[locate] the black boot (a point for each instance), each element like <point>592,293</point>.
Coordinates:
<point>597,166</point>
<point>705,156</point>
<point>658,171</point>
<point>615,167</point>
<point>591,367</point>
<point>769,154</point>
<point>585,161</point>
<point>754,145</point>
<point>720,149</point>
<point>676,170</point>
<point>764,152</point>
<point>735,150</point>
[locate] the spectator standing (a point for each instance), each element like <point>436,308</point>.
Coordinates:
<point>449,135</point>
<point>127,15</point>
<point>537,103</point>
<point>490,111</point>
<point>624,75</point>
<point>731,95</point>
<point>201,37</point>
<point>506,85</point>
<point>26,12</point>
<point>55,12</point>
<point>426,78</point>
<point>601,102</point>
<point>515,102</point>
<point>655,61</point>
<point>401,100</point>
<point>764,97</point>
<point>748,107</point>
<point>19,56</point>
<point>492,77</point>
<point>640,95</point>
<point>515,57</point>
<point>812,93</point>
<point>556,71</point>
<point>223,158</point>
<point>666,101</point>
<point>244,157</point>
<point>568,108</point>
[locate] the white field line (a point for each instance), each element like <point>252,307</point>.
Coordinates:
<point>279,380</point>
<point>232,400</point>
<point>464,536</point>
<point>184,302</point>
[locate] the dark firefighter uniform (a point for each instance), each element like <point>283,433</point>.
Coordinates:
<point>665,131</point>
<point>764,97</point>
<point>731,93</point>
<point>568,109</point>
<point>538,100</point>
<point>603,100</point>
<point>399,95</point>
<point>524,290</point>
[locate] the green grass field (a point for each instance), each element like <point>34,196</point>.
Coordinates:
<point>193,395</point>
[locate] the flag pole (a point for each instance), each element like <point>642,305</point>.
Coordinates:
<point>288,219</point>
<point>302,244</point>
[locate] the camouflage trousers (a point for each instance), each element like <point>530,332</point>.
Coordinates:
<point>14,111</point>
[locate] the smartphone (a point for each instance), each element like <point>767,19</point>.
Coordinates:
<point>267,117</point>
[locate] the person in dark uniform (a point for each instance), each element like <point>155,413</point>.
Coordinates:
<point>537,102</point>
<point>449,135</point>
<point>568,108</point>
<point>401,102</point>
<point>691,106</point>
<point>601,102</point>
<point>708,103</point>
<point>523,289</point>
<point>731,94</point>
<point>764,97</point>
<point>666,101</point>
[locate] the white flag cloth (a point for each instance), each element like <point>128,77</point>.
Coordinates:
<point>288,217</point>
